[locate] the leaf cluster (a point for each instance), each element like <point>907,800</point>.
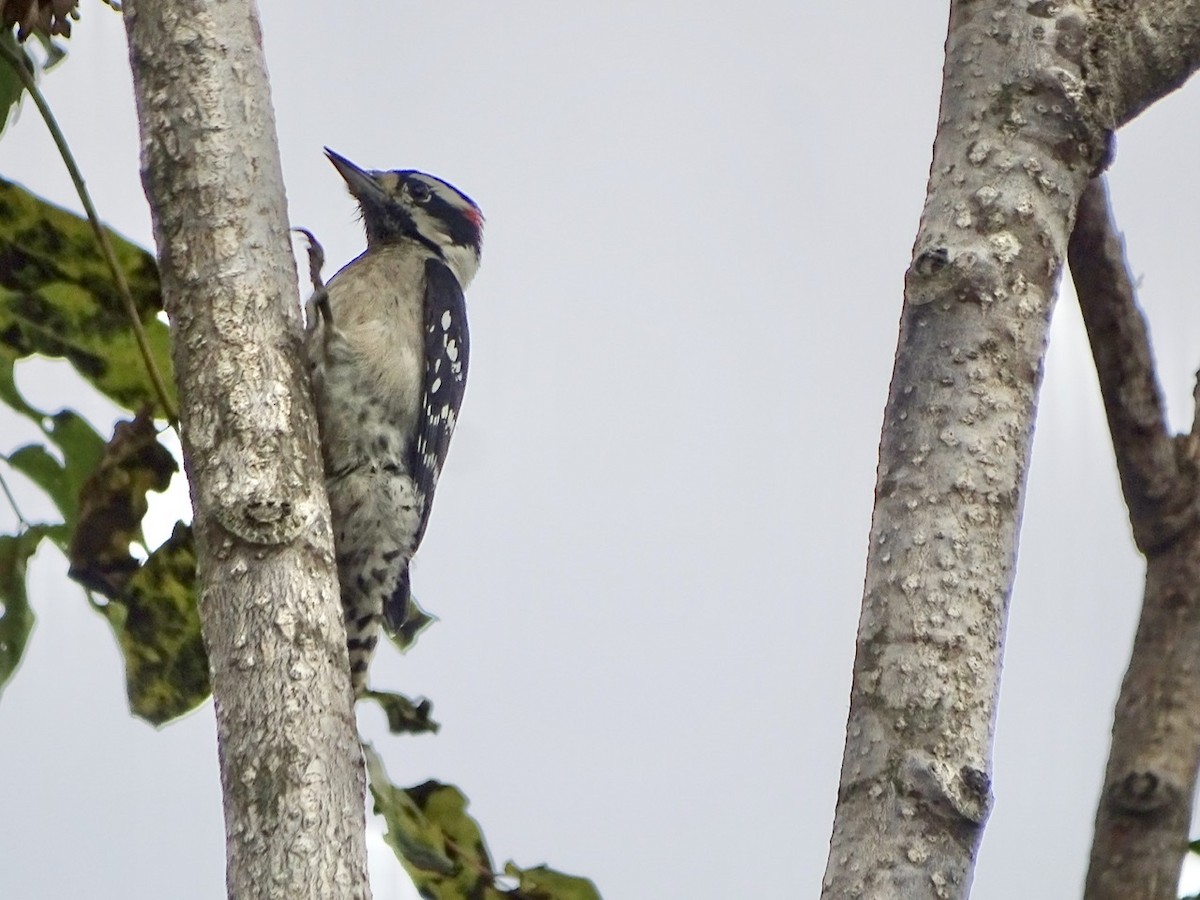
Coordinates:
<point>57,300</point>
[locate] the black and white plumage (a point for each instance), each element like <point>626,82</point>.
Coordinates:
<point>389,367</point>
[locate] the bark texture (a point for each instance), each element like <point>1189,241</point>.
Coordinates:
<point>1030,92</point>
<point>1145,808</point>
<point>1017,140</point>
<point>1140,51</point>
<point>291,768</point>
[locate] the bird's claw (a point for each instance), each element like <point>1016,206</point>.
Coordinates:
<point>320,295</point>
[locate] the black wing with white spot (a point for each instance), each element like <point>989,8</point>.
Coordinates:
<point>447,346</point>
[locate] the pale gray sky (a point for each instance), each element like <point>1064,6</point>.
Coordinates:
<point>648,545</point>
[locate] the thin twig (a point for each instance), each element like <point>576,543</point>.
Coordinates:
<point>106,248</point>
<point>12,501</point>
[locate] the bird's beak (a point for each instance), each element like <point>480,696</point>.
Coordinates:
<point>361,183</point>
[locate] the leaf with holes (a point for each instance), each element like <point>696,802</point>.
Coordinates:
<point>158,627</point>
<point>438,844</point>
<point>112,504</point>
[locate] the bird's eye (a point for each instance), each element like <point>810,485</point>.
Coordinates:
<point>419,192</point>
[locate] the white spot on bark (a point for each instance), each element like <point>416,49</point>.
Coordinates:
<point>1005,247</point>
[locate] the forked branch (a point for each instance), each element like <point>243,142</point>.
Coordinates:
<point>1144,812</point>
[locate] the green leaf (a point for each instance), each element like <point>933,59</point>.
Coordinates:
<point>158,628</point>
<point>81,448</point>
<point>36,463</point>
<point>404,715</point>
<point>78,442</point>
<point>438,844</point>
<point>11,88</point>
<point>16,618</point>
<point>11,396</point>
<point>542,883</point>
<point>57,298</point>
<point>416,620</point>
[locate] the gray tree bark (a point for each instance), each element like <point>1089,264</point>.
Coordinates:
<point>291,767</point>
<point>1026,109</point>
<point>1145,808</point>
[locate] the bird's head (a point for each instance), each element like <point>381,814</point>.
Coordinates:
<point>408,204</point>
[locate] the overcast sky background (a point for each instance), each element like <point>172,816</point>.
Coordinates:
<point>648,547</point>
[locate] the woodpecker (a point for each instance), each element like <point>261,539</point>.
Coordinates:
<point>388,347</point>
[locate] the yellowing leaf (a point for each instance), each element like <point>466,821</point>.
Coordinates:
<point>438,844</point>
<point>158,627</point>
<point>443,851</point>
<point>57,298</point>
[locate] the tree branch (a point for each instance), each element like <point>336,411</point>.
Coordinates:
<point>1139,52</point>
<point>291,766</point>
<point>1145,453</point>
<point>1017,138</point>
<point>1030,93</point>
<point>1142,821</point>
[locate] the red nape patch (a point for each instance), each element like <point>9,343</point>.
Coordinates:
<point>472,212</point>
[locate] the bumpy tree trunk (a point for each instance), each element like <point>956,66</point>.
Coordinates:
<point>1028,97</point>
<point>290,763</point>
